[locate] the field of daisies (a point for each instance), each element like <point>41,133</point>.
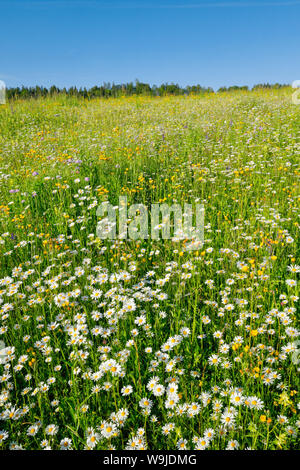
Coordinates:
<point>121,344</point>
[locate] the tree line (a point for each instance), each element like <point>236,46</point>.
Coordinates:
<point>108,90</point>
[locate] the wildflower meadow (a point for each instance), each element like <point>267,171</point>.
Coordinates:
<point>121,343</point>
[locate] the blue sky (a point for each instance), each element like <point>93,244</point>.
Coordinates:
<point>89,42</point>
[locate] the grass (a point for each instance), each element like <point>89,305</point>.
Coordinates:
<point>145,344</point>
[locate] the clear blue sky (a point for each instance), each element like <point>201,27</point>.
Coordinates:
<point>89,42</point>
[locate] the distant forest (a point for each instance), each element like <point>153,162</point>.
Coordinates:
<point>108,90</point>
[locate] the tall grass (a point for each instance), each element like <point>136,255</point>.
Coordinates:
<point>144,344</point>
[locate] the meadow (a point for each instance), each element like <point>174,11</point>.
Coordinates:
<point>144,344</point>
